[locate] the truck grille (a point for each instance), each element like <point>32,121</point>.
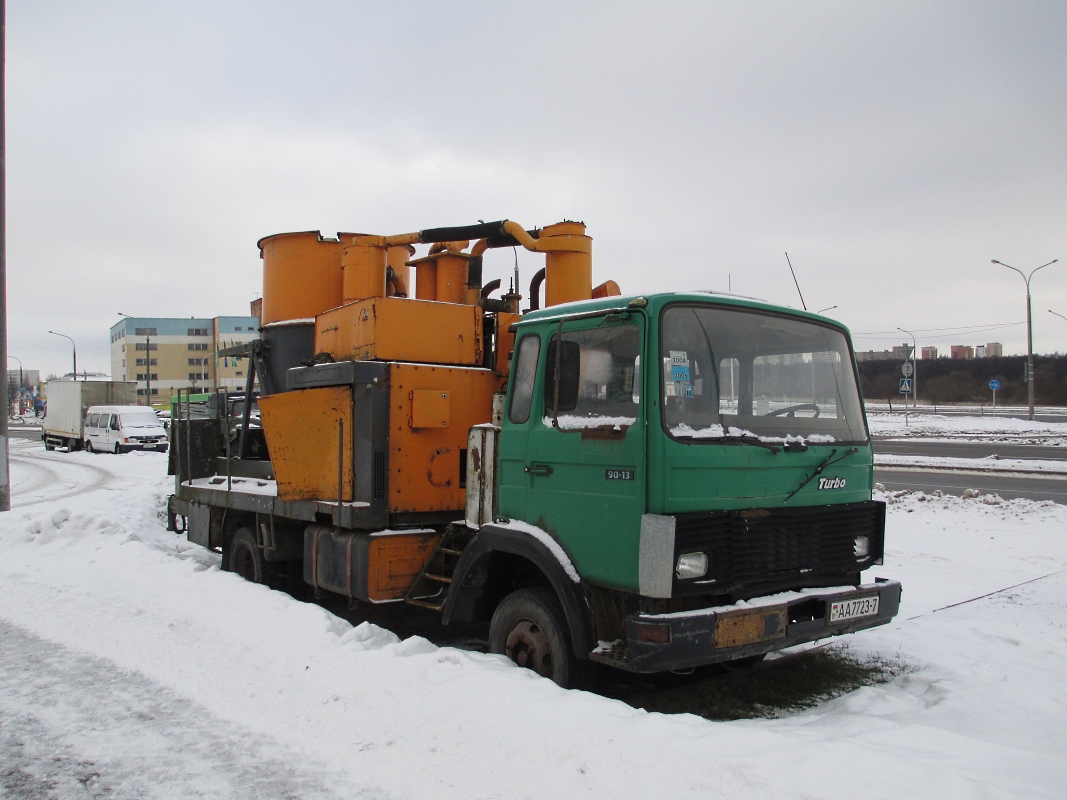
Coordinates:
<point>764,545</point>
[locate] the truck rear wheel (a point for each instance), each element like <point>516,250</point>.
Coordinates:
<point>244,557</point>
<point>529,627</point>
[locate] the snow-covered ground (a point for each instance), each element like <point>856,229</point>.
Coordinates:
<point>926,425</point>
<point>131,667</point>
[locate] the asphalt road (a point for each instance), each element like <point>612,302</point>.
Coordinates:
<point>970,449</point>
<point>1009,487</point>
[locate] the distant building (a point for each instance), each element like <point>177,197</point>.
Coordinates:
<point>179,353</point>
<point>929,352</point>
<point>994,350</point>
<point>962,351</point>
<point>979,351</point>
<point>902,352</point>
<point>874,355</point>
<point>257,308</point>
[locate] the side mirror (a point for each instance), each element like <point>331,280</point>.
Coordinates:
<point>115,422</point>
<point>569,367</point>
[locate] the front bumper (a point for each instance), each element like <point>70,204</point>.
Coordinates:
<point>157,447</point>
<point>707,636</point>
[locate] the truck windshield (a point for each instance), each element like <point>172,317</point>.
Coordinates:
<point>732,373</point>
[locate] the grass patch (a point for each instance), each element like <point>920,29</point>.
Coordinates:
<point>773,688</point>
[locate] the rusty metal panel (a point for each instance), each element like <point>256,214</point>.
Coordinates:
<point>429,408</point>
<point>481,475</point>
<point>303,429</point>
<point>759,625</point>
<point>395,560</point>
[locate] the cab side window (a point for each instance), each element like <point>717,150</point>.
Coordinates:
<point>523,374</point>
<point>599,378</point>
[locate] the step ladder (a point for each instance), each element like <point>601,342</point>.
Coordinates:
<point>430,588</point>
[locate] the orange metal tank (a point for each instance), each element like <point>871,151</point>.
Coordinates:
<point>568,273</point>
<point>301,275</point>
<point>364,272</point>
<point>442,277</point>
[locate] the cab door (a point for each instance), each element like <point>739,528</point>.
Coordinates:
<point>519,417</point>
<point>92,430</point>
<point>585,455</point>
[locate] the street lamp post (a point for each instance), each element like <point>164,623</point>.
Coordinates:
<point>147,358</point>
<point>914,369</point>
<point>1058,315</point>
<point>1029,331</point>
<point>75,351</point>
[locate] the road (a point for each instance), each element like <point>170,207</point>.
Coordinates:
<point>1009,487</point>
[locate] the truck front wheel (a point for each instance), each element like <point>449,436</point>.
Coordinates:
<point>529,627</point>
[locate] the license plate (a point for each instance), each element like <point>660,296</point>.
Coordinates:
<point>854,608</point>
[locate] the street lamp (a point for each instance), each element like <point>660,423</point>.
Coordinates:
<point>147,358</point>
<point>1029,331</point>
<point>831,308</point>
<point>1058,315</point>
<point>914,369</point>
<point>75,351</point>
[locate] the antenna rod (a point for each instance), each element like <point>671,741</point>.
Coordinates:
<point>790,263</point>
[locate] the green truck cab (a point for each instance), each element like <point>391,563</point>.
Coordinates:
<point>699,466</point>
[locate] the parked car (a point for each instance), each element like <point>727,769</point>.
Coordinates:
<point>120,429</point>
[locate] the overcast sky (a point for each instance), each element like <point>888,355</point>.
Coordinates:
<point>891,148</point>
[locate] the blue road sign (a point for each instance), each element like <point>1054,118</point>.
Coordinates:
<point>905,385</point>
<point>994,384</point>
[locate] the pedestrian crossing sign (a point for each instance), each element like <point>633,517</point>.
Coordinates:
<point>905,385</point>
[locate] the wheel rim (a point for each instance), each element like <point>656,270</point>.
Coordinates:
<point>528,647</point>
<point>244,563</point>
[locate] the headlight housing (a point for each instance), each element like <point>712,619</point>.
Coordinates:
<point>691,565</point>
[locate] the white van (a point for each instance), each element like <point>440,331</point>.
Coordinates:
<point>120,429</point>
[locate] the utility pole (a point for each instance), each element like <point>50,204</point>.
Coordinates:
<point>1029,331</point>
<point>5,472</point>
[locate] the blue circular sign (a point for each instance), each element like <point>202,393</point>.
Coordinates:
<point>994,384</point>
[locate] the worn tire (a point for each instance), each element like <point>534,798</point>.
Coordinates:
<point>530,628</point>
<point>89,447</point>
<point>244,556</point>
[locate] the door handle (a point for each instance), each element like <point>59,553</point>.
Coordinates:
<point>541,470</point>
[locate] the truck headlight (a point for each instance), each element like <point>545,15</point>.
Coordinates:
<point>691,565</point>
<point>863,546</point>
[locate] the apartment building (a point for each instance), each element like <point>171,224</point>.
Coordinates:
<point>164,354</point>
<point>929,353</point>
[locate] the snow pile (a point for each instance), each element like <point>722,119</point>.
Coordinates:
<point>286,693</point>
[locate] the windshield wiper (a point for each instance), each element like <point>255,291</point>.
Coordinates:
<point>755,441</point>
<point>826,462</point>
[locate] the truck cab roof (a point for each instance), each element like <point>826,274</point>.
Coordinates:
<point>659,300</point>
